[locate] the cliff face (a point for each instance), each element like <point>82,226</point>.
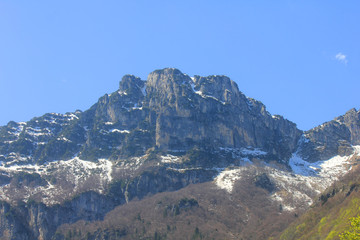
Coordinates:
<point>332,138</point>
<point>38,221</point>
<point>35,220</point>
<point>212,112</point>
<point>11,226</point>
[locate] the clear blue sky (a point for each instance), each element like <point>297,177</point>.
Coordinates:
<point>300,58</point>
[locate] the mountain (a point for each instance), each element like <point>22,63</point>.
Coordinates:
<point>194,147</point>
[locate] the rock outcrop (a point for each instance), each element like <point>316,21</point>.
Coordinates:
<point>332,138</point>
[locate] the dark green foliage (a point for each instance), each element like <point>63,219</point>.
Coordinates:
<point>165,212</point>
<point>58,149</point>
<point>22,146</point>
<point>58,236</point>
<point>325,196</point>
<point>177,210</point>
<point>264,182</point>
<point>137,142</point>
<point>183,204</point>
<point>116,191</point>
<point>188,203</point>
<point>30,202</point>
<point>101,144</point>
<point>197,234</point>
<point>28,179</point>
<point>4,179</point>
<point>200,157</point>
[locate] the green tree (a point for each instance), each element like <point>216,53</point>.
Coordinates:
<point>354,232</point>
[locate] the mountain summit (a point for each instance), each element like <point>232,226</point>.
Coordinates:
<point>170,111</point>
<point>162,135</point>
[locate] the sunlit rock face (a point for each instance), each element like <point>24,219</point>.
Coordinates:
<point>212,112</point>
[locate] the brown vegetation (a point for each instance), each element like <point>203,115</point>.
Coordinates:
<point>200,211</point>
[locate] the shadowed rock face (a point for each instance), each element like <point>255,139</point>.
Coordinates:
<point>332,138</point>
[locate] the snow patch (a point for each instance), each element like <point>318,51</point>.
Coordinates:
<point>71,116</point>
<point>277,117</point>
<point>208,96</point>
<point>170,159</point>
<point>122,93</point>
<point>239,152</point>
<point>142,130</point>
<point>63,139</point>
<point>293,189</point>
<point>330,168</point>
<point>120,131</point>
<point>177,150</point>
<point>253,151</point>
<point>136,107</point>
<point>227,178</point>
<point>75,175</point>
<point>131,164</point>
<point>37,131</point>
<point>308,179</point>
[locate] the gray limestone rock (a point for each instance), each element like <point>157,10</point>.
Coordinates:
<point>332,138</point>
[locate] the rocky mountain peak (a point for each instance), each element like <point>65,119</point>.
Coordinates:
<point>219,87</point>
<point>166,86</point>
<point>167,78</point>
<point>131,83</point>
<point>351,120</point>
<point>335,137</point>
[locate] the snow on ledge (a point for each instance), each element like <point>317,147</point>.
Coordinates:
<point>76,164</point>
<point>170,159</point>
<point>333,167</point>
<point>209,96</point>
<point>294,189</point>
<point>249,151</point>
<point>227,178</point>
<point>119,131</point>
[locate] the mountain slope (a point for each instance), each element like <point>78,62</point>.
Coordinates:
<point>331,214</point>
<point>159,136</point>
